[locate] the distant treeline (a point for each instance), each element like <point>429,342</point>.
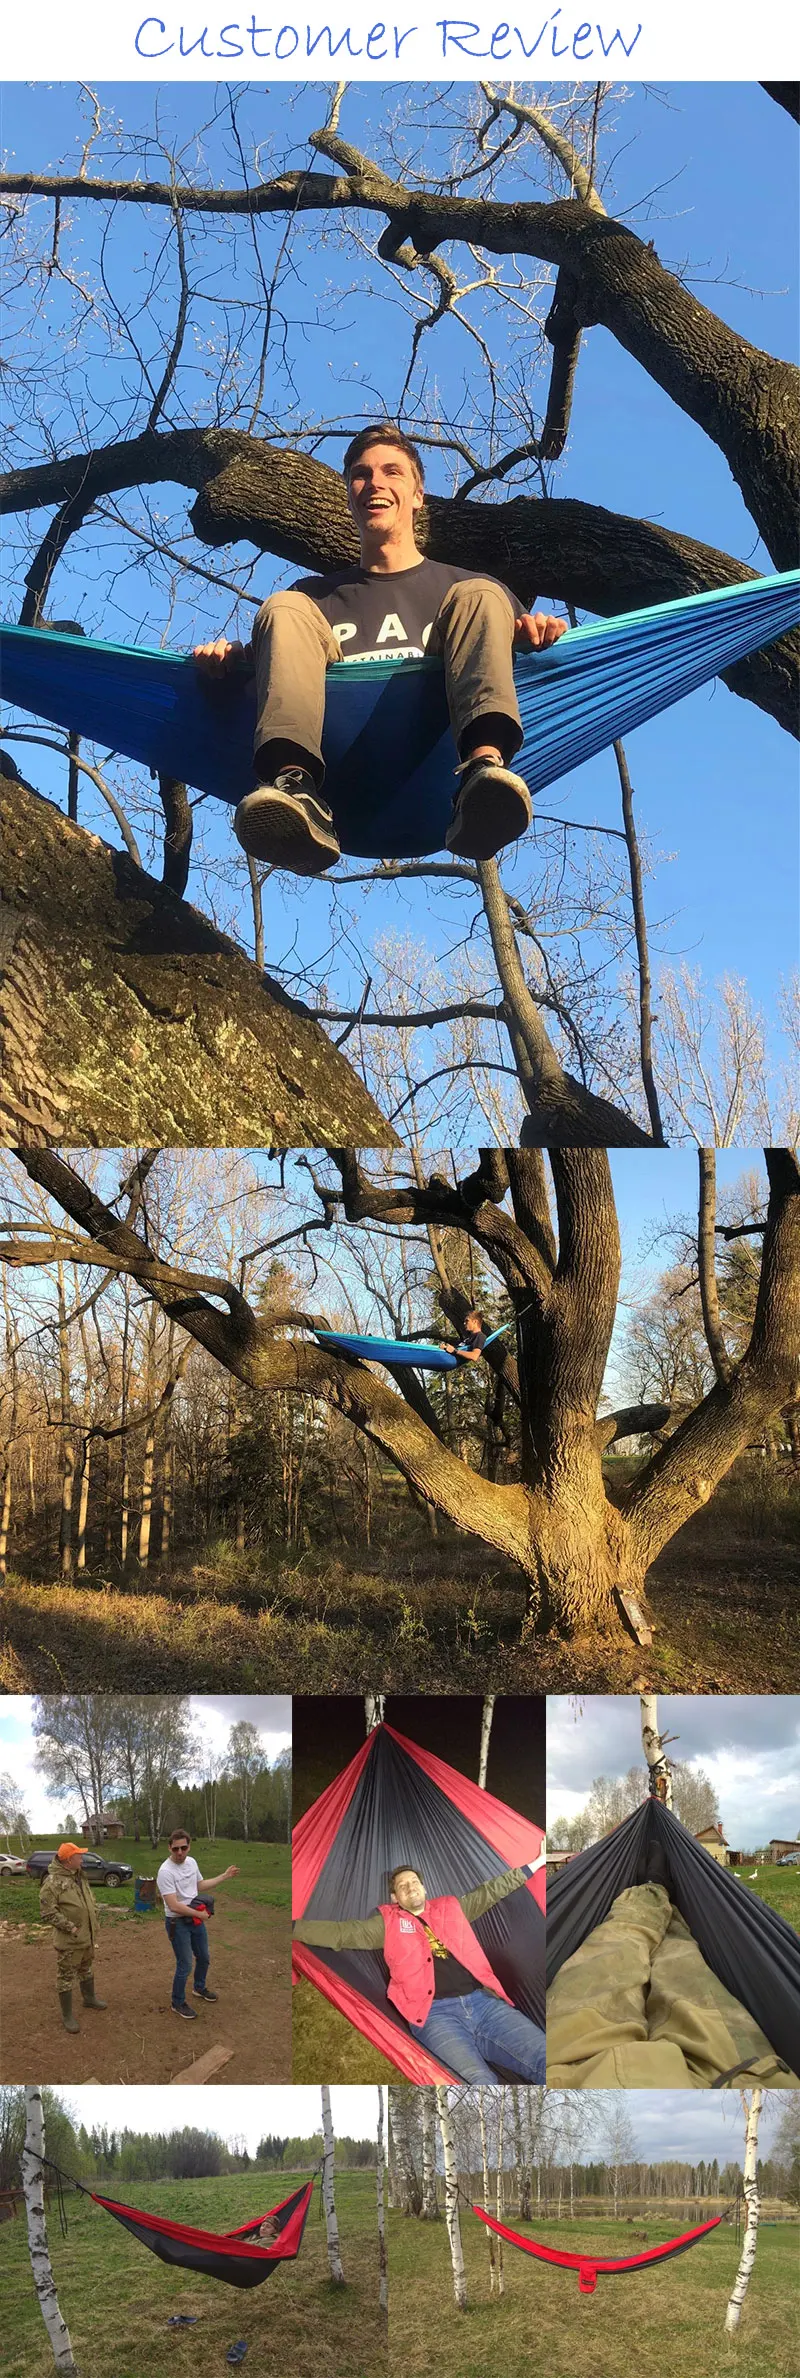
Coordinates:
<point>101,2153</point>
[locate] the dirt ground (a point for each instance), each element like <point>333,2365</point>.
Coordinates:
<point>138,2038</point>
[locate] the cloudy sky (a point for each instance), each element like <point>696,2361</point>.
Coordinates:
<point>748,1745</point>
<point>685,2122</point>
<point>212,1718</point>
<point>230,2113</point>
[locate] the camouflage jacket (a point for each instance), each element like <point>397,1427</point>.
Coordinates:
<point>67,1899</point>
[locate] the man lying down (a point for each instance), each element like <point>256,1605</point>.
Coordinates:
<point>637,2007</point>
<point>439,1979</point>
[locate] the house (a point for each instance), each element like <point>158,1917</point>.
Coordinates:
<point>781,1849</point>
<point>103,1829</point>
<point>713,1840</point>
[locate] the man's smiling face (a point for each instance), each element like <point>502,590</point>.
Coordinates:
<point>384,495</point>
<point>408,1890</point>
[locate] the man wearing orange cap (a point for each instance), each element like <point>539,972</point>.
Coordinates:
<point>67,1904</point>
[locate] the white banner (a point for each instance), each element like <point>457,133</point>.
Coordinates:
<point>630,40</point>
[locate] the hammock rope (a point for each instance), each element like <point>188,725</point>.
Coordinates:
<point>590,2267</point>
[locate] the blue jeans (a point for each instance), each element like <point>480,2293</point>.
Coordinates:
<point>465,2032</point>
<point>190,1943</point>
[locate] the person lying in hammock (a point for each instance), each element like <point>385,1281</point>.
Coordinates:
<point>439,1978</point>
<point>395,604</point>
<point>471,1344</point>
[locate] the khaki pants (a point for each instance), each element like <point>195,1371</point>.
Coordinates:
<point>293,646</point>
<point>637,2007</point>
<point>73,1964</point>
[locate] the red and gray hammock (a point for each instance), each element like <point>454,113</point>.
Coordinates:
<point>397,1802</point>
<point>591,2267</point>
<point>232,2256</point>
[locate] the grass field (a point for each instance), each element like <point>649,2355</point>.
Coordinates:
<point>263,1880</point>
<point>423,1617</point>
<point>668,2320</point>
<point>778,1885</point>
<point>116,2297</point>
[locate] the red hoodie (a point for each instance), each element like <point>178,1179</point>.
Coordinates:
<point>408,1956</point>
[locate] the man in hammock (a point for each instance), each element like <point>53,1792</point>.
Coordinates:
<point>394,605</point>
<point>471,1343</point>
<point>179,1882</point>
<point>439,1978</point>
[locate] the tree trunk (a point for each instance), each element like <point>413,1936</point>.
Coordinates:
<point>487,1714</point>
<point>83,1503</point>
<point>44,2283</point>
<point>383,2266</point>
<point>492,2242</point>
<point>374,1704</point>
<point>5,1509</point>
<point>653,1747</point>
<point>752,2109</point>
<point>430,2201</point>
<point>451,2198</point>
<point>500,2206</point>
<point>328,2195</point>
<point>147,1496</point>
<point>167,1496</point>
<point>408,2187</point>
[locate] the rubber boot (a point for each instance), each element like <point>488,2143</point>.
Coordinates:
<point>87,1992</point>
<point>67,2017</point>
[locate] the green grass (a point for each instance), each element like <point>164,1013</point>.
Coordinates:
<point>778,1885</point>
<point>263,1880</point>
<point>116,2297</point>
<point>327,2047</point>
<point>668,2320</point>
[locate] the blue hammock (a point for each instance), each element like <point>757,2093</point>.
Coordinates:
<point>394,1350</point>
<point>387,743</point>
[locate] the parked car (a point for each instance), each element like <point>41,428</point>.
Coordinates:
<point>9,1866</point>
<point>792,1858</point>
<point>106,1872</point>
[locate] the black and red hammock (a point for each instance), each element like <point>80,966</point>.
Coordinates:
<point>590,2266</point>
<point>231,2256</point>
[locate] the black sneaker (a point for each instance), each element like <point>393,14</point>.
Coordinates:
<point>210,1994</point>
<point>287,824</point>
<point>492,807</point>
<point>187,2012</point>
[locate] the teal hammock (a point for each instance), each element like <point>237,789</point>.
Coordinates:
<point>387,745</point>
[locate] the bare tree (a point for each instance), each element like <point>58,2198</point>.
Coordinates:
<point>383,2267</point>
<point>328,2189</point>
<point>581,1544</point>
<point>451,2206</point>
<point>751,2108</point>
<point>44,2283</point>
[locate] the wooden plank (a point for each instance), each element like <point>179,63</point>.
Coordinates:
<point>634,1617</point>
<point>203,2070</point>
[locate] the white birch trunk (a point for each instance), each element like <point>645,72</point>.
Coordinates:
<point>752,2109</point>
<point>487,1714</point>
<point>374,1705</point>
<point>44,2283</point>
<point>490,2237</point>
<point>500,2207</point>
<point>383,2267</point>
<point>408,2189</point>
<point>653,1747</point>
<point>451,2198</point>
<point>328,2196</point>
<point>430,2202</point>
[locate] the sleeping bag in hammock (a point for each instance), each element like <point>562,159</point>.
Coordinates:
<point>590,2266</point>
<point>387,745</point>
<point>396,1802</point>
<point>231,2256</point>
<point>751,1949</point>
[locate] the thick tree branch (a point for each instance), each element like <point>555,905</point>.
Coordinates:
<point>706,1265</point>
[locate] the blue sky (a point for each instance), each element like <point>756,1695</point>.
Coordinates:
<point>716,781</point>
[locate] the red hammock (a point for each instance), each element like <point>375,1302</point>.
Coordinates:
<point>230,2256</point>
<point>588,2266</point>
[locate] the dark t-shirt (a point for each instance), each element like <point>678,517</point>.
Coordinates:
<point>451,1979</point>
<point>387,616</point>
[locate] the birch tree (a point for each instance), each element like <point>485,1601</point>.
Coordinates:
<point>430,2200</point>
<point>487,1714</point>
<point>383,2267</point>
<point>491,2240</point>
<point>653,1745</point>
<point>328,2191</point>
<point>401,2101</point>
<point>41,2266</point>
<point>451,2208</point>
<point>751,2108</point>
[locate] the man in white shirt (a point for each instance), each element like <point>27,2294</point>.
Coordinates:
<point>180,1883</point>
